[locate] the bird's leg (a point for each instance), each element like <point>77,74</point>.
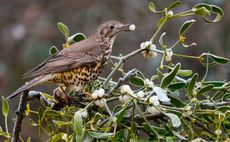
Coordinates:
<point>61,97</point>
<point>87,94</point>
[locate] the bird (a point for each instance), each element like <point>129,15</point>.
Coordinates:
<point>80,63</point>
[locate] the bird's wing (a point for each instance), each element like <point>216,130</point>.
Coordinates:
<point>86,52</point>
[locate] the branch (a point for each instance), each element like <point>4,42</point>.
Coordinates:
<point>20,113</point>
<point>122,80</point>
<point>214,105</point>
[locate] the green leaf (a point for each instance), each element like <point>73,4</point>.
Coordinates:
<point>202,11</point>
<point>174,4</point>
<point>64,29</point>
<point>32,123</point>
<point>119,135</point>
<point>218,59</point>
<point>167,79</point>
<point>53,50</point>
<point>56,137</point>
<point>180,136</point>
<point>205,5</point>
<point>223,109</point>
<point>76,37</point>
<point>215,83</point>
<point>121,115</point>
<point>148,128</point>
<point>191,84</point>
<point>60,123</point>
<point>162,19</point>
<point>41,114</point>
<point>176,102</point>
<point>161,94</point>
<point>137,81</point>
<point>28,140</point>
<point>5,107</point>
<point>185,27</point>
<point>211,9</point>
<point>184,73</point>
<point>176,86</point>
<point>219,14</point>
<point>78,126</point>
<point>205,89</point>
<point>152,7</point>
<point>174,119</point>
<point>169,139</point>
<point>100,135</point>
<point>226,96</point>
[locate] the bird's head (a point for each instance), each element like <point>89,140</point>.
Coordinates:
<point>112,28</point>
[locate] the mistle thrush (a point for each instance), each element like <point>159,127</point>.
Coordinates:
<point>80,63</point>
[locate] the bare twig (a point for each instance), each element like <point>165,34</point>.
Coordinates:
<point>20,113</point>
<point>122,80</point>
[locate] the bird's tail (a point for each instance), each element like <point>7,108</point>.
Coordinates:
<point>34,82</point>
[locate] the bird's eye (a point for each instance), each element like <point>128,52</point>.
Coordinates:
<point>111,27</point>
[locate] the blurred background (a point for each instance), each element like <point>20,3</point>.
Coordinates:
<point>28,29</point>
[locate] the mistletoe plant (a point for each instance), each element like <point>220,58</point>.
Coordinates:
<point>137,108</point>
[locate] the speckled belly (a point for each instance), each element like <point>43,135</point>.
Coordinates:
<point>76,79</point>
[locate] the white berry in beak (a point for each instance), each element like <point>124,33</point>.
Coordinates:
<point>132,27</point>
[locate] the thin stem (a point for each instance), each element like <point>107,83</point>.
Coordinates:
<point>133,53</point>
<point>186,56</point>
<point>182,14</point>
<point>158,51</point>
<point>107,108</point>
<point>145,119</point>
<point>178,41</point>
<point>185,15</point>
<point>158,30</point>
<point>115,57</point>
<point>103,79</point>
<point>113,71</point>
<point>206,71</point>
<point>89,104</point>
<point>6,125</point>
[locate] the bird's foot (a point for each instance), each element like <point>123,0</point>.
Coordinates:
<point>60,97</point>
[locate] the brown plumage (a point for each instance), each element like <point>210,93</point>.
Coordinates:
<point>78,64</point>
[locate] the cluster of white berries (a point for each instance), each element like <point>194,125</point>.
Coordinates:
<point>148,83</point>
<point>140,94</point>
<point>98,93</point>
<point>148,53</point>
<point>152,110</point>
<point>126,91</point>
<point>169,54</point>
<point>98,96</point>
<point>100,102</point>
<point>84,113</point>
<point>154,100</point>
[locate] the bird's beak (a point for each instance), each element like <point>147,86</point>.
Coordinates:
<point>127,27</point>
